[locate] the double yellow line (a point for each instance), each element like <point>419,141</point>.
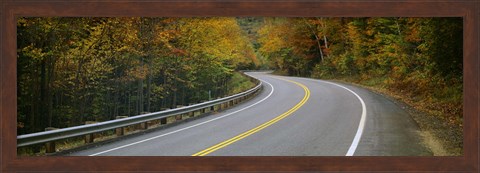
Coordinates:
<point>260,127</point>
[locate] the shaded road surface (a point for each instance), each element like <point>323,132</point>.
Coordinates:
<point>290,117</point>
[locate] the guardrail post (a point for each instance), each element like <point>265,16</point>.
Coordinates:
<point>144,125</point>
<point>89,137</point>
<point>217,107</point>
<point>191,114</point>
<point>50,146</point>
<point>206,110</point>
<point>179,117</point>
<point>122,130</point>
<point>163,120</point>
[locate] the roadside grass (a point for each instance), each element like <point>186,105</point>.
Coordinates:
<point>239,83</point>
<point>39,149</point>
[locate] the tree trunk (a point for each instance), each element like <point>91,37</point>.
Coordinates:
<point>316,38</point>
<point>43,97</point>
<point>325,40</point>
<point>51,75</point>
<point>149,87</point>
<point>174,96</point>
<point>165,98</point>
<point>33,107</point>
<point>140,97</point>
<point>116,101</point>
<point>129,103</point>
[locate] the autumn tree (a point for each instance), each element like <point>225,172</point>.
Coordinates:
<point>73,70</point>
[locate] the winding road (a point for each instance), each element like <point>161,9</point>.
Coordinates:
<point>291,117</point>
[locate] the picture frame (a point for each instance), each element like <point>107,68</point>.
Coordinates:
<point>10,10</point>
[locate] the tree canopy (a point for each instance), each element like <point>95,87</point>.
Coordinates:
<point>419,59</point>
<point>73,70</point>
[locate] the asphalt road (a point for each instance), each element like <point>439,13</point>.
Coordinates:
<point>290,117</point>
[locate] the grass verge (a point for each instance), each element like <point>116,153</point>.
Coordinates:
<point>239,83</point>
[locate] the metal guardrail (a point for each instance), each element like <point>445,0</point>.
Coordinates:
<point>58,134</point>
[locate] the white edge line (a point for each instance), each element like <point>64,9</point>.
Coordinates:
<point>361,124</point>
<point>189,127</point>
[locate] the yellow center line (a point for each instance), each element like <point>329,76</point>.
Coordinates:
<point>260,127</point>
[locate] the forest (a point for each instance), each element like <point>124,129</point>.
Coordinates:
<point>419,57</point>
<point>416,60</point>
<point>72,70</point>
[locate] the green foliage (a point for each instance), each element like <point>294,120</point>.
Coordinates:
<point>73,70</point>
<point>239,83</point>
<point>420,58</point>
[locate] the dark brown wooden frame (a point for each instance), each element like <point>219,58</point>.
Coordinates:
<point>11,9</point>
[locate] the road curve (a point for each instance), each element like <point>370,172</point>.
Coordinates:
<point>290,117</point>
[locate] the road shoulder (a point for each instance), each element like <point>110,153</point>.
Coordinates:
<point>435,134</point>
